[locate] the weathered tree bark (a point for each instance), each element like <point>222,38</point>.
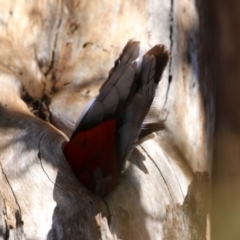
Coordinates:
<point>54,57</point>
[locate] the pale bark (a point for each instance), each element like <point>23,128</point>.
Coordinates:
<point>55,55</point>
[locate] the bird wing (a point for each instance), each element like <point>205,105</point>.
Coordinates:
<point>126,95</point>
<point>132,117</point>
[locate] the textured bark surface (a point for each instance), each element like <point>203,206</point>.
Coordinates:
<point>54,57</point>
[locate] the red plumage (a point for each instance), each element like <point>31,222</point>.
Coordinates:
<point>92,149</point>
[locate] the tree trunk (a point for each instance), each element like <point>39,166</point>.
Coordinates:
<point>223,43</point>
<point>54,57</point>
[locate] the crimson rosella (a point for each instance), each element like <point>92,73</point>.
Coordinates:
<point>110,124</point>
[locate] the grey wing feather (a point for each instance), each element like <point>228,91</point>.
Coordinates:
<point>132,49</point>
<point>125,138</point>
<point>148,69</point>
<point>114,92</point>
<point>110,101</point>
<point>95,113</point>
<point>153,64</point>
<point>121,73</point>
<point>133,112</point>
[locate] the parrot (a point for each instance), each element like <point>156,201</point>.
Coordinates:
<point>109,126</point>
